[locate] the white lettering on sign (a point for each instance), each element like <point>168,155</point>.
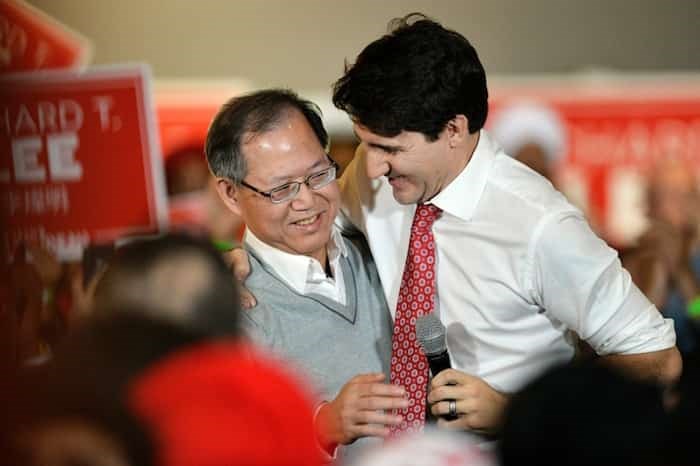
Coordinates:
<point>103,106</point>
<point>44,117</point>
<point>24,122</point>
<point>66,244</point>
<point>635,142</point>
<point>25,156</point>
<point>62,163</point>
<point>61,150</point>
<point>50,199</point>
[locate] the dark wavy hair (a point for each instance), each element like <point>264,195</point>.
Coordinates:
<point>252,114</point>
<point>415,78</point>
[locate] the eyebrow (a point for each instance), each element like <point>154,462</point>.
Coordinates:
<point>278,180</point>
<point>377,145</point>
<point>386,148</point>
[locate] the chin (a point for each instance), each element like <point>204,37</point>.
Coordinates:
<point>311,244</point>
<point>406,198</point>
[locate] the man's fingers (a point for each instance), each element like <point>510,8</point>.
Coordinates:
<point>370,377</point>
<point>443,408</point>
<point>238,260</point>
<point>371,430</point>
<point>381,389</point>
<point>449,377</point>
<point>247,299</point>
<point>240,265</point>
<point>378,418</point>
<point>447,392</point>
<point>380,403</point>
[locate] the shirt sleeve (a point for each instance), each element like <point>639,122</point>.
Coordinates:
<point>579,281</point>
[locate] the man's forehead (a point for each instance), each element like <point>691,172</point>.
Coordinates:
<point>366,135</point>
<point>286,167</point>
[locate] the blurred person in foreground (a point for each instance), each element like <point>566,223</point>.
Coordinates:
<point>586,415</point>
<point>514,267</point>
<point>176,277</point>
<point>431,447</point>
<point>685,414</point>
<point>665,263</point>
<point>320,300</point>
<point>130,390</point>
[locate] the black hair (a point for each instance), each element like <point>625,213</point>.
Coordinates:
<point>212,306</point>
<point>252,114</point>
<point>415,78</point>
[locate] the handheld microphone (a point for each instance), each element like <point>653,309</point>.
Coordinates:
<point>431,336</point>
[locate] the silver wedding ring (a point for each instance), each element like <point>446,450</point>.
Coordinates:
<point>453,408</point>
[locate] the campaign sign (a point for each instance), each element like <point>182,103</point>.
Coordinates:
<point>31,40</point>
<point>80,160</point>
<point>613,133</point>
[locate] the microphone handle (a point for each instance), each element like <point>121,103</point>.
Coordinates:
<point>438,363</point>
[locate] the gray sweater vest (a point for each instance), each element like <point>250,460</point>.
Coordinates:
<point>327,342</point>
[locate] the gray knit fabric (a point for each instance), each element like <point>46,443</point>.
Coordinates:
<point>329,342</point>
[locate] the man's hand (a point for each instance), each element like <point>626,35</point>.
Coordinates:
<point>479,406</point>
<point>358,411</point>
<point>82,294</point>
<point>237,259</point>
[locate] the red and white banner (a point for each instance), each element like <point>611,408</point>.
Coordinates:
<point>613,131</point>
<point>80,158</point>
<point>31,40</point>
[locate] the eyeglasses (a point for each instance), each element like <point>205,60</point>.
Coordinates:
<point>288,191</point>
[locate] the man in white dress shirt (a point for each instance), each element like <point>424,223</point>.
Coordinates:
<point>518,269</point>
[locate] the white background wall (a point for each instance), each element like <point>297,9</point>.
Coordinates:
<point>302,43</point>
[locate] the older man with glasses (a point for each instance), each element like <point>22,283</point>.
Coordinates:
<point>320,301</point>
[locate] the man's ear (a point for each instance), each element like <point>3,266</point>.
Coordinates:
<point>228,192</point>
<point>457,130</point>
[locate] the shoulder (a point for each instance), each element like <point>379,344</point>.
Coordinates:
<point>519,184</point>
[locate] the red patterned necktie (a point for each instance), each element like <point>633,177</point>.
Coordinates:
<point>409,366</point>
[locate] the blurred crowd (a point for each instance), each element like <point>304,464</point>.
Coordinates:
<point>149,365</point>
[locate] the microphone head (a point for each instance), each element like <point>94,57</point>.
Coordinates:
<point>431,334</point>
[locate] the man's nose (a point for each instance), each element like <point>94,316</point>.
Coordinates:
<point>304,199</point>
<point>377,164</point>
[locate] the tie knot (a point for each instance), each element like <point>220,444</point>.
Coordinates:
<point>426,214</point>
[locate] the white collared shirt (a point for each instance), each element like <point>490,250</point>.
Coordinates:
<point>304,274</point>
<point>517,267</point>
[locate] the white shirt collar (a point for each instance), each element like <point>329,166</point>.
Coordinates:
<point>461,196</point>
<point>297,270</point>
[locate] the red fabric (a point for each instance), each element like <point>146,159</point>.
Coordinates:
<point>409,366</point>
<point>224,404</point>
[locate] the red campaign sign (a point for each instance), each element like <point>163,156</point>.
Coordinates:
<point>80,158</point>
<point>612,134</point>
<point>31,40</point>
